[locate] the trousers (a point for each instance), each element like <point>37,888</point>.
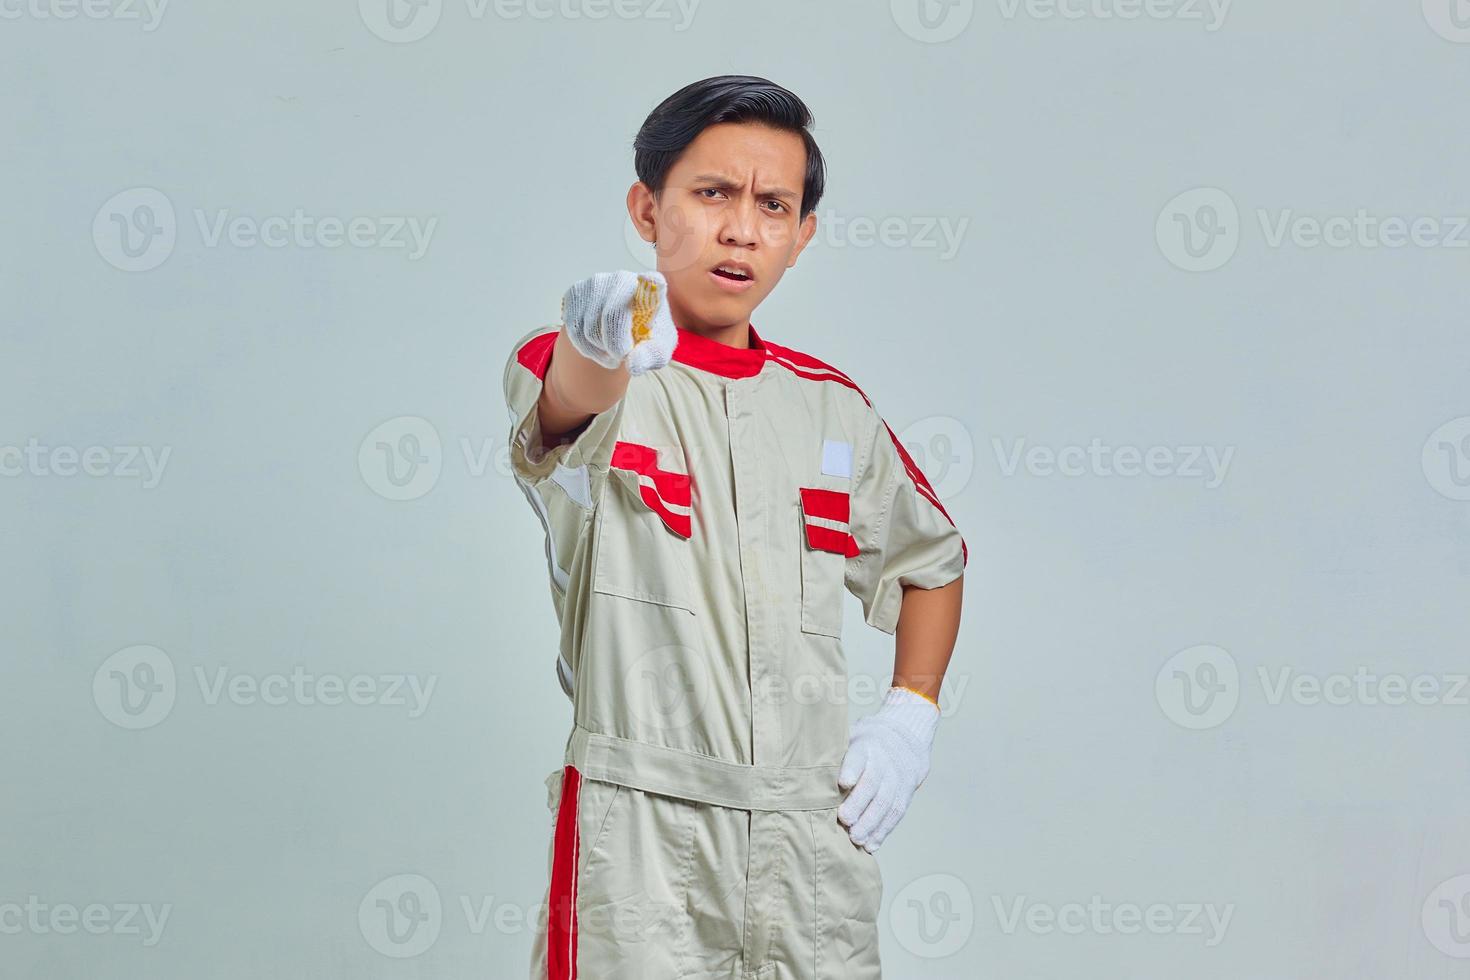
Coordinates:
<point>650,887</point>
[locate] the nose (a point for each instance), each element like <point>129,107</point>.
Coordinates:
<point>740,224</point>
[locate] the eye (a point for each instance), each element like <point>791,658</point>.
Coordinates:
<point>779,205</point>
<point>708,190</point>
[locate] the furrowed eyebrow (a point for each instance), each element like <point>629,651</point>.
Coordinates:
<point>724,183</point>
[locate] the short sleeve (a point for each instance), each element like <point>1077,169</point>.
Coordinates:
<point>904,534</point>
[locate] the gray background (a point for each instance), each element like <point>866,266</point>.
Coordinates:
<point>1336,377</point>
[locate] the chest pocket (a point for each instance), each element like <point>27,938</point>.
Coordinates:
<point>644,526</point>
<point>825,547</point>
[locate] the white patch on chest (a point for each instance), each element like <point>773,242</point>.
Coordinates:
<point>836,458</point>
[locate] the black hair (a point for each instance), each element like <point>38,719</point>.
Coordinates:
<point>677,120</point>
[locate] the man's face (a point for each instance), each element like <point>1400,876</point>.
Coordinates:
<point>732,199</point>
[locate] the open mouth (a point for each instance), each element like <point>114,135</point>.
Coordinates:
<point>733,276</point>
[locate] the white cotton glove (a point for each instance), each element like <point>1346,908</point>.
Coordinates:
<point>616,316</point>
<point>887,758</point>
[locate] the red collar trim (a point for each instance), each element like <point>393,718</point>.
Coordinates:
<point>697,350</point>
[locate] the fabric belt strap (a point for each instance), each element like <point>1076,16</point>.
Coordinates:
<point>690,776</point>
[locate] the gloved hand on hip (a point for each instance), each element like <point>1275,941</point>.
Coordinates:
<point>614,317</point>
<point>887,758</point>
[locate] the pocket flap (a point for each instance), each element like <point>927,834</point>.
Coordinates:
<point>666,493</point>
<point>825,515</point>
<point>553,789</point>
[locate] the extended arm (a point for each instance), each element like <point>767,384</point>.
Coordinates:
<point>606,319</point>
<point>576,388</point>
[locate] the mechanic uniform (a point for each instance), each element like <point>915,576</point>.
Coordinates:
<point>699,535</point>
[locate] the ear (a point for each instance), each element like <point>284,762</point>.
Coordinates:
<point>804,234</point>
<point>641,206</point>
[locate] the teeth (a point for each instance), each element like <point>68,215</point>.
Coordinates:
<point>733,272</point>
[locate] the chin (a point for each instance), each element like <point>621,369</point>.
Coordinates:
<point>711,312</point>
<point>724,308</point>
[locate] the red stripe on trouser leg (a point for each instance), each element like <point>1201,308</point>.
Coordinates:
<point>561,911</point>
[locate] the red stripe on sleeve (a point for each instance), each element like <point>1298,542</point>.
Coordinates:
<point>535,354</point>
<point>921,483</point>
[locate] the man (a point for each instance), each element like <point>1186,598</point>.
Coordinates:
<point>707,494</point>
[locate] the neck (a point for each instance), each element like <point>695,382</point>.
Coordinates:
<point>730,334</point>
